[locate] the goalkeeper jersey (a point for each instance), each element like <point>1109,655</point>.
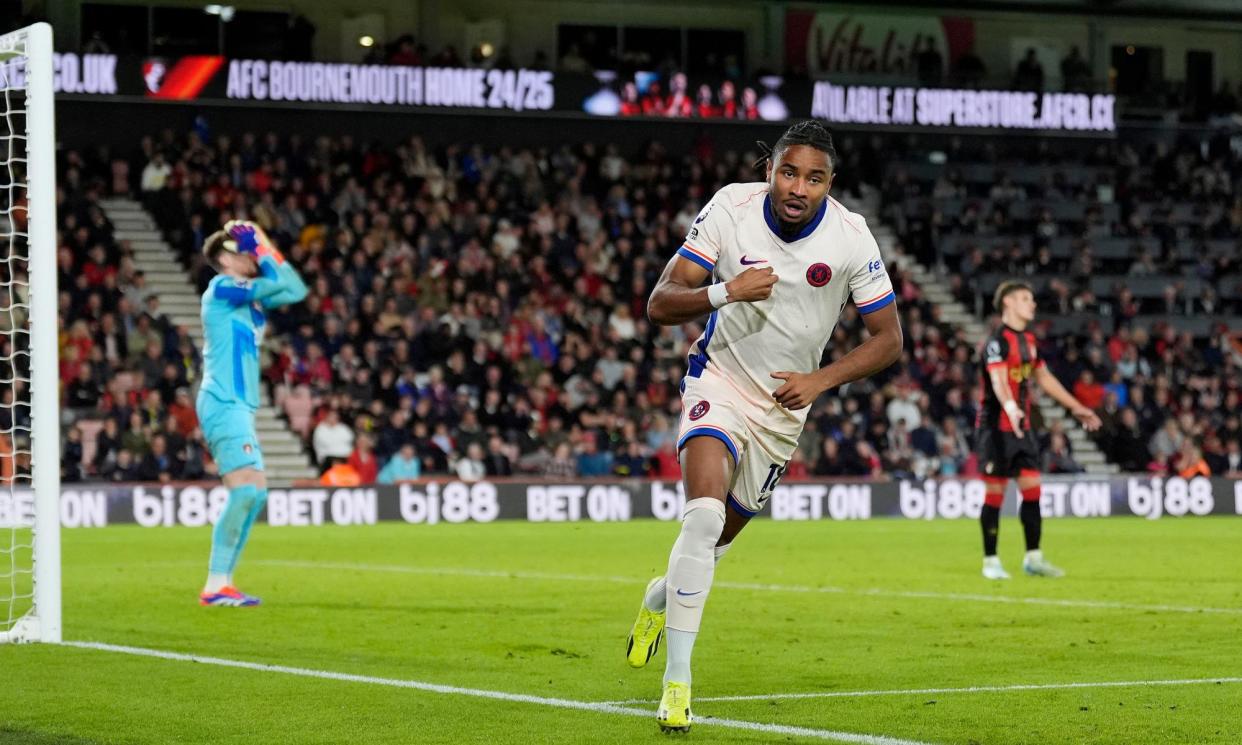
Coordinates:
<point>234,319</point>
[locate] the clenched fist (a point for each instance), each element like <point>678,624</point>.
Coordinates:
<point>752,285</point>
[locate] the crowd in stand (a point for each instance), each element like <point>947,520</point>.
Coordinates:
<point>126,372</point>
<point>1168,397</point>
<point>481,312</point>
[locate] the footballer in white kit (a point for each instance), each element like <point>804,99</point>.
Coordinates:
<point>783,258</point>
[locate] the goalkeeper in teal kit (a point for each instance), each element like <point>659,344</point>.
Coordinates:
<point>253,277</point>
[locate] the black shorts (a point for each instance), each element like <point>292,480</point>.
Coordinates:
<point>1005,455</point>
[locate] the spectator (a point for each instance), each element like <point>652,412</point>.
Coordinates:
<point>71,468</point>
<point>1029,75</point>
<point>156,174</point>
<point>405,52</point>
<point>1232,466</point>
<point>159,321</point>
<point>1075,72</point>
<point>107,447</point>
<point>1057,457</point>
<point>363,460</point>
<point>1167,442</point>
<point>159,464</point>
<point>1088,391</point>
<point>84,392</point>
<point>796,469</point>
<point>136,291</point>
<point>593,462</point>
<point>1214,454</point>
<point>930,64</point>
<point>183,412</point>
<point>393,436</point>
<point>123,469</point>
<point>470,466</point>
<point>970,69</point>
<point>497,462</point>
<point>868,461</point>
<point>1189,462</point>
<point>332,438</point>
<point>830,461</point>
<point>631,461</point>
<point>924,440</point>
<point>135,439</point>
<point>403,466</point>
<point>904,407</point>
<point>950,462</point>
<point>562,465</point>
<point>340,473</point>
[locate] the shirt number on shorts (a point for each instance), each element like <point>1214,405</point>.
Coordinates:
<point>775,471</point>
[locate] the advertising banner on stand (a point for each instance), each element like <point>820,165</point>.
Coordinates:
<point>835,43</point>
<point>219,81</point>
<point>432,502</point>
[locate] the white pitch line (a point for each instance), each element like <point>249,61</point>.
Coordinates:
<point>970,689</point>
<point>522,698</point>
<point>866,592</point>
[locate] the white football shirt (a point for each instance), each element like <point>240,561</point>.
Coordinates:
<point>831,259</point>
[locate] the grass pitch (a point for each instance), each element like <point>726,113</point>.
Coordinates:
<point>884,623</point>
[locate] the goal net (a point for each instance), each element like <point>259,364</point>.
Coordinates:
<point>29,375</point>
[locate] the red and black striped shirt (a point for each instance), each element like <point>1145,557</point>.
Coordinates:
<point>1015,353</point>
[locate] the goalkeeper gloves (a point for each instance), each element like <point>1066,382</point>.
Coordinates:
<point>250,240</point>
<point>245,236</point>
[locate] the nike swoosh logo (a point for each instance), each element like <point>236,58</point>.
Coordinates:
<point>756,261</point>
<point>689,594</point>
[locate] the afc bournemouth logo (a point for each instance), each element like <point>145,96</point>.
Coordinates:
<point>818,275</point>
<point>699,410</point>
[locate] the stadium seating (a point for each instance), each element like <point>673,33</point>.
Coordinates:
<point>1138,288</point>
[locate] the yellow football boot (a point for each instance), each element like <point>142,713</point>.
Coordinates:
<point>645,637</point>
<point>674,712</point>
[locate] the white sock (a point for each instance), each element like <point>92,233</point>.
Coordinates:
<point>217,582</point>
<point>689,579</point>
<point>656,600</point>
<point>1036,555</point>
<point>678,646</point>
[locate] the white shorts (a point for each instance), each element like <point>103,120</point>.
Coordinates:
<point>712,407</point>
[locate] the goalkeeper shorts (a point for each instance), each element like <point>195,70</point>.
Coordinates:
<point>230,434</point>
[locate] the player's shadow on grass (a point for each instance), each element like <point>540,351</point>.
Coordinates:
<point>26,737</point>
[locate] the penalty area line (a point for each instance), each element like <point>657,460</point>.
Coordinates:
<point>968,689</point>
<point>521,698</point>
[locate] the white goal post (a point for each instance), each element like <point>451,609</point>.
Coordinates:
<point>30,603</point>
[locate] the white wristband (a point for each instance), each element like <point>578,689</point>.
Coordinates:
<point>718,294</point>
<point>1011,408</point>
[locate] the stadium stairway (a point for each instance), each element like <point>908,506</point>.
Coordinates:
<point>952,312</point>
<point>283,451</point>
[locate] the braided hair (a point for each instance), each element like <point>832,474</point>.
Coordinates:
<point>807,132</point>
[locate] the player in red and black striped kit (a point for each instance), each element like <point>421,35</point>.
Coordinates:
<point>1007,450</point>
